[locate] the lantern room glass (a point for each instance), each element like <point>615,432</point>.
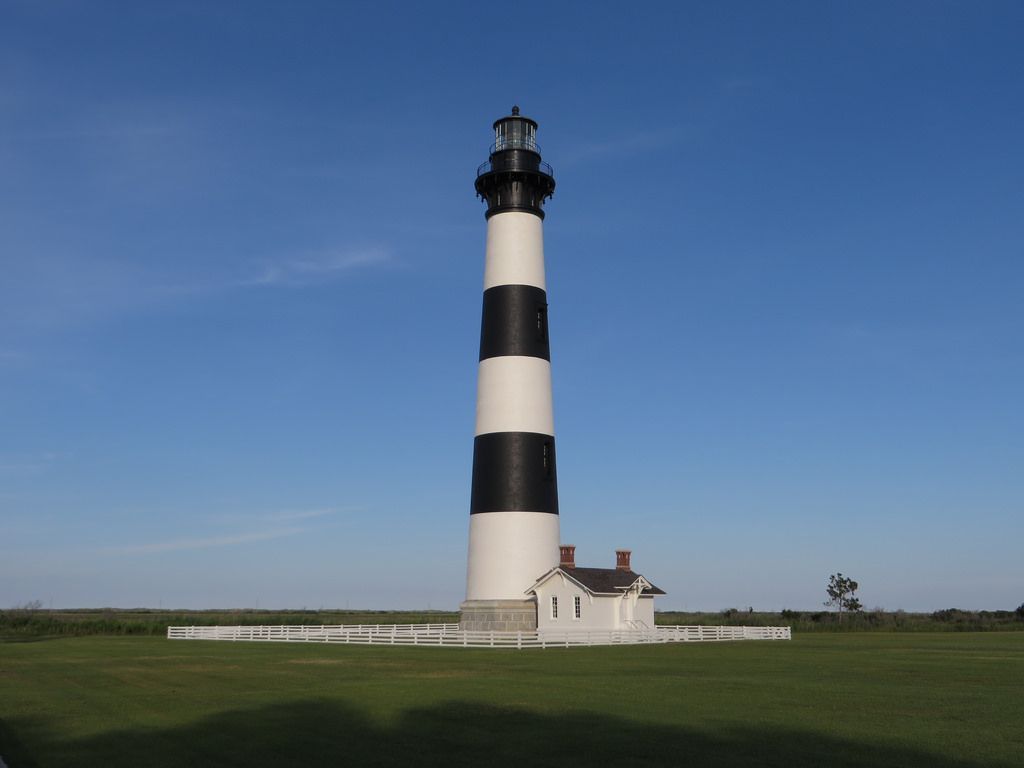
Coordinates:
<point>515,133</point>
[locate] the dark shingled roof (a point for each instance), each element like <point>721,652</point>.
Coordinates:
<point>607,580</point>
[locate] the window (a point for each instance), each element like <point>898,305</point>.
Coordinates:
<point>554,607</point>
<point>549,461</point>
<point>542,323</point>
<point>576,606</point>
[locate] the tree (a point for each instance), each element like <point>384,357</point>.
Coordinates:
<point>841,593</point>
<point>30,607</point>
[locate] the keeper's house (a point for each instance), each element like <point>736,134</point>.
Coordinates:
<point>616,598</point>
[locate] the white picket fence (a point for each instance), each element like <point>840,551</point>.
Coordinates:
<point>450,635</point>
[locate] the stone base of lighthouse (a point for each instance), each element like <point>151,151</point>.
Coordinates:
<point>498,615</point>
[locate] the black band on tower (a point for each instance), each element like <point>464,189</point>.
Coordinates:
<point>515,322</point>
<point>514,472</point>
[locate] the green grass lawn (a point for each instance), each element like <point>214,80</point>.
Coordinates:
<point>939,700</point>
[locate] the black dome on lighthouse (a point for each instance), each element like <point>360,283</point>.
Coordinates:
<point>515,116</point>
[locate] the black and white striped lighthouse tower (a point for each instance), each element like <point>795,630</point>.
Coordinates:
<point>513,529</point>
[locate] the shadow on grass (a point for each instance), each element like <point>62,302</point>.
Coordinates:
<point>454,734</point>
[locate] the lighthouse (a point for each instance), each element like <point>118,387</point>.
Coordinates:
<point>513,523</point>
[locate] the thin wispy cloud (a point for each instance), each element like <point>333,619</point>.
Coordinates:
<point>255,519</point>
<point>177,545</point>
<point>11,357</point>
<point>635,143</point>
<point>47,290</point>
<point>298,514</point>
<point>50,291</point>
<point>27,464</point>
<point>307,270</point>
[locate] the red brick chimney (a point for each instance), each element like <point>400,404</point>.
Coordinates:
<point>622,559</point>
<point>567,558</point>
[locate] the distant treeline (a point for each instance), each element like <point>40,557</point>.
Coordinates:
<point>32,621</point>
<point>948,620</point>
<point>106,621</point>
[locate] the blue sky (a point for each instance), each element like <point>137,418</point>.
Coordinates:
<point>241,280</point>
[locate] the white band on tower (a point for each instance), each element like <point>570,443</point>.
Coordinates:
<point>515,250</point>
<point>514,395</point>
